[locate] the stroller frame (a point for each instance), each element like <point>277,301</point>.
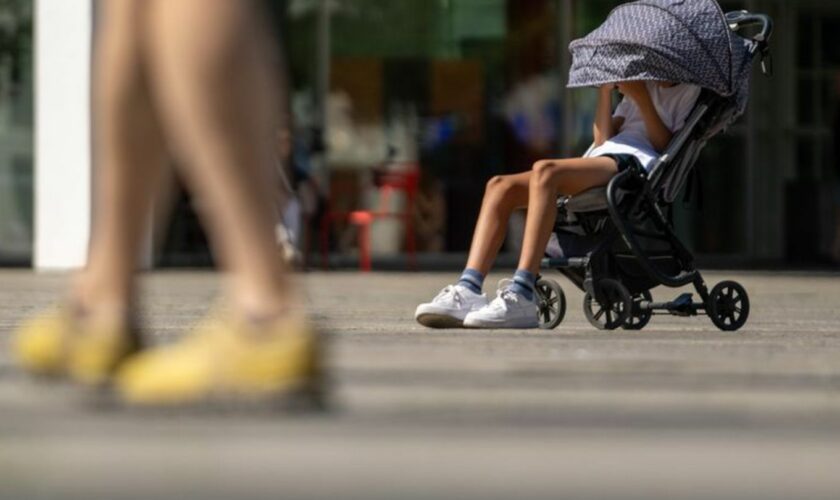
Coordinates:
<point>629,227</point>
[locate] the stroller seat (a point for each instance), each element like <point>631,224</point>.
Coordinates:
<point>592,200</point>
<point>617,241</point>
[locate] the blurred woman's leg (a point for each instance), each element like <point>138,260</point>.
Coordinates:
<point>197,73</point>
<point>90,337</point>
<point>214,87</point>
<point>211,77</point>
<point>128,152</point>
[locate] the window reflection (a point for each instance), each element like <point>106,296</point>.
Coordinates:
<point>15,131</point>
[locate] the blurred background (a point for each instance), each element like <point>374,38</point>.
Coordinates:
<point>400,111</point>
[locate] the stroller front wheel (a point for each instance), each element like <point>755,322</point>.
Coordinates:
<point>611,309</point>
<point>551,303</point>
<point>729,306</point>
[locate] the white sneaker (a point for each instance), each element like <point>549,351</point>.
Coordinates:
<point>450,307</point>
<point>508,310</point>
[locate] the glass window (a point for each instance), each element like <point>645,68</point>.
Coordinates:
<point>810,195</point>
<point>828,41</point>
<point>461,89</point>
<point>718,227</point>
<point>465,88</point>
<point>806,101</point>
<point>16,115</point>
<point>806,46</point>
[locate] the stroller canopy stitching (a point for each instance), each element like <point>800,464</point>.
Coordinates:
<point>685,41</point>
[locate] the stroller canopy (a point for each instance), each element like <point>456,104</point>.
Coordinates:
<point>684,41</point>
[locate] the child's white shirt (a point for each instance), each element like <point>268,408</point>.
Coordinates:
<point>673,104</point>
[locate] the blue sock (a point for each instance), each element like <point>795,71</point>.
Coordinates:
<point>472,280</point>
<point>524,283</point>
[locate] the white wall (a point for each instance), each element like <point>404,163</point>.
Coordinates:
<point>63,33</point>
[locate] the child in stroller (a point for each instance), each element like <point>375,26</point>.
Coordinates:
<point>617,242</point>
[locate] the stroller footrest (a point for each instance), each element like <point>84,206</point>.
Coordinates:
<point>683,305</point>
<point>554,263</point>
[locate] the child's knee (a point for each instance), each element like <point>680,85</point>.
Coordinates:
<point>500,189</point>
<point>546,172</point>
<point>497,184</point>
<point>540,165</point>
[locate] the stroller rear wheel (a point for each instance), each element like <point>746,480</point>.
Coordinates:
<point>551,303</point>
<point>612,310</point>
<point>639,318</point>
<point>729,306</point>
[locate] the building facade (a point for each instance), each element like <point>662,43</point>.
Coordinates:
<point>463,89</point>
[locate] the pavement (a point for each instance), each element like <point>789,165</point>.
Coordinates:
<point>679,410</point>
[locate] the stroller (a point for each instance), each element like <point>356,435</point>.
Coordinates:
<point>617,242</point>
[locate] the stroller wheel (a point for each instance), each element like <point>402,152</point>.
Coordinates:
<point>551,302</point>
<point>639,318</point>
<point>729,306</point>
<point>612,310</point>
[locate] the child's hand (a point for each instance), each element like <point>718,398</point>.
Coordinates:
<point>633,90</point>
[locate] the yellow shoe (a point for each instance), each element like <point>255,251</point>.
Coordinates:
<point>226,361</point>
<point>61,343</point>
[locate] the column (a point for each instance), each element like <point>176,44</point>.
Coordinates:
<point>63,36</point>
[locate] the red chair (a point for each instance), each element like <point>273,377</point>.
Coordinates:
<point>405,180</point>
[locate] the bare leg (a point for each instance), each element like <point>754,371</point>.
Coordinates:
<point>504,194</point>
<point>551,178</point>
<point>129,153</point>
<point>214,89</point>
<point>202,69</point>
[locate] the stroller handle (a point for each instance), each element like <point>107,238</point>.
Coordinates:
<point>740,19</point>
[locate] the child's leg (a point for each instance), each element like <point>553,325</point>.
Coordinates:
<point>549,179</point>
<point>504,194</point>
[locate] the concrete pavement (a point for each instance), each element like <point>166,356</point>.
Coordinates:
<point>679,410</point>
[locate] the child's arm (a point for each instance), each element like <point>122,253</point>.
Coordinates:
<point>605,125</point>
<point>659,134</point>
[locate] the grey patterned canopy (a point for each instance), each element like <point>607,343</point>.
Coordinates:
<point>685,41</point>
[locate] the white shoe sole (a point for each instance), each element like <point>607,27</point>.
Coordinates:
<point>519,324</point>
<point>439,321</point>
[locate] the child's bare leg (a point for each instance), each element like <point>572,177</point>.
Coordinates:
<point>504,194</point>
<point>515,305</point>
<point>129,153</point>
<point>551,178</point>
<point>215,92</point>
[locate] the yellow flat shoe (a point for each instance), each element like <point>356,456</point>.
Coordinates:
<point>61,343</point>
<point>227,361</point>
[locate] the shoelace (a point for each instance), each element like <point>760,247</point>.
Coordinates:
<point>504,296</point>
<point>450,292</point>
